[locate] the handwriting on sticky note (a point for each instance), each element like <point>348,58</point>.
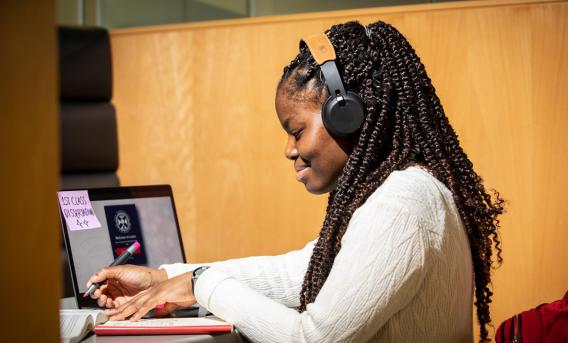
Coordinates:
<point>77,210</point>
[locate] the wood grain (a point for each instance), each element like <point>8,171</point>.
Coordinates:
<point>29,173</point>
<point>195,109</point>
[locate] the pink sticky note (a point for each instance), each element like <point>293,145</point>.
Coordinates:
<point>77,210</point>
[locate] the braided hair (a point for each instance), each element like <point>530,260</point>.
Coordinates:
<point>405,125</point>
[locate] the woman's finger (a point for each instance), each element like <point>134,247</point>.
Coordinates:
<point>104,274</point>
<point>127,309</point>
<point>90,281</point>
<point>97,277</point>
<point>145,307</point>
<point>124,311</point>
<point>101,301</point>
<point>116,310</point>
<point>108,303</point>
<point>98,292</point>
<point>119,301</point>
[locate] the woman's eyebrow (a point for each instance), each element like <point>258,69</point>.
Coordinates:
<point>286,124</point>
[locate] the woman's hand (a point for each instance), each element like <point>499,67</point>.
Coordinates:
<point>172,294</point>
<point>123,283</point>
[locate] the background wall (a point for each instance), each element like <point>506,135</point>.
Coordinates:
<point>195,109</point>
<point>29,173</point>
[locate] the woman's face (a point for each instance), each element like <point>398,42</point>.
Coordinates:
<point>318,157</point>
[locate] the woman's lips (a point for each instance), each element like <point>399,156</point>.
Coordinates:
<point>302,172</point>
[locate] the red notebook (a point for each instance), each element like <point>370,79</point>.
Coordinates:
<point>164,326</point>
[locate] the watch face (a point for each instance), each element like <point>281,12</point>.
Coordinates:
<point>197,272</point>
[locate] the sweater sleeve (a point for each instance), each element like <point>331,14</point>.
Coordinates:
<point>380,267</point>
<point>276,277</point>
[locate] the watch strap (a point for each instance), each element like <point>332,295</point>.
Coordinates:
<point>195,276</point>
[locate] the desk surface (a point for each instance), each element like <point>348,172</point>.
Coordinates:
<point>226,338</point>
<point>234,337</point>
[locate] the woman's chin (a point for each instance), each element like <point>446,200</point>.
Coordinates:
<point>317,189</point>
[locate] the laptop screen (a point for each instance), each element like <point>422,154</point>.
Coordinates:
<point>127,214</point>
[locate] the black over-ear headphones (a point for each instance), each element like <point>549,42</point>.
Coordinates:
<point>343,112</point>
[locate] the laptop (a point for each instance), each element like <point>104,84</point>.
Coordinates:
<point>145,214</point>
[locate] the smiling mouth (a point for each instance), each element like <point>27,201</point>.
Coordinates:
<point>302,172</point>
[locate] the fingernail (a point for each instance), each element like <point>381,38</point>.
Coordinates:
<point>160,306</point>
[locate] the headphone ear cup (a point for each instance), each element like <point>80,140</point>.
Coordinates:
<point>343,118</point>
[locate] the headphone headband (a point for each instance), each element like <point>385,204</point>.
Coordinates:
<point>324,53</point>
<point>321,48</point>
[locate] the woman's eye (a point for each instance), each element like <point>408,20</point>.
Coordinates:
<point>297,134</point>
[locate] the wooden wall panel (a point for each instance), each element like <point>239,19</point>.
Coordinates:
<point>29,173</point>
<point>195,109</point>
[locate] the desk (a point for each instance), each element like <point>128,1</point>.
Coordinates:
<point>234,337</point>
<point>226,338</point>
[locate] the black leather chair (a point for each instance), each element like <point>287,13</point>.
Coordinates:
<point>89,144</point>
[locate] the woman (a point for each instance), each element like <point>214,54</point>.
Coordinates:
<point>408,232</point>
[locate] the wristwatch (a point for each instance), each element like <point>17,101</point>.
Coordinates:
<point>196,274</point>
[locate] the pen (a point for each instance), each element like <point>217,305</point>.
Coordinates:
<point>118,261</point>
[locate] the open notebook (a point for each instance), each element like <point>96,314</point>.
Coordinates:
<point>74,325</point>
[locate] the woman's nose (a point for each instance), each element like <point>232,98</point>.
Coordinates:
<point>291,151</point>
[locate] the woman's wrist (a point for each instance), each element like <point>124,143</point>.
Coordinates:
<point>196,274</point>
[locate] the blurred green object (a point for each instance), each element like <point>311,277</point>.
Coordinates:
<point>131,13</point>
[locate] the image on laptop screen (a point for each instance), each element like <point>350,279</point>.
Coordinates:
<point>127,214</point>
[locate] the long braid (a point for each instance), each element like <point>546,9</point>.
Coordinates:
<point>405,125</point>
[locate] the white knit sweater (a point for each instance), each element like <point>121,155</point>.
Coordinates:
<point>403,274</point>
